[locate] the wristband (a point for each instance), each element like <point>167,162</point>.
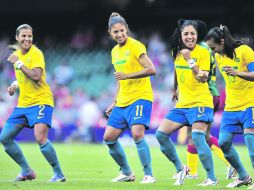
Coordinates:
<point>15,83</point>
<point>191,63</point>
<point>19,64</point>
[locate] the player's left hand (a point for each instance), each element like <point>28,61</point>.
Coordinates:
<point>13,58</point>
<point>120,76</point>
<point>174,96</point>
<point>110,108</point>
<point>231,71</point>
<point>11,90</point>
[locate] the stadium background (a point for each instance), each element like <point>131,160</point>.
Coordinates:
<point>73,36</point>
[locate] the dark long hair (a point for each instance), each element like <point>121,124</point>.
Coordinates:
<point>230,43</point>
<point>176,43</point>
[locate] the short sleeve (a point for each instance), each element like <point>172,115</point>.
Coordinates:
<point>38,60</point>
<point>138,49</point>
<point>205,60</point>
<point>248,55</point>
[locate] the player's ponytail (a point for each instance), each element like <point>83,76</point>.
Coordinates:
<point>116,18</point>
<point>201,29</point>
<point>230,43</point>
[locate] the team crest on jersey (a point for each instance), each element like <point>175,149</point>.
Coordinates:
<point>127,53</point>
<point>28,60</point>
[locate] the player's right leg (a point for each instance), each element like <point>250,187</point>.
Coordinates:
<point>229,126</point>
<point>13,150</point>
<point>172,122</point>
<point>113,130</point>
<point>10,130</point>
<point>225,142</point>
<point>117,153</point>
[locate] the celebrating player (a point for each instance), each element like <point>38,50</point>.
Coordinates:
<point>192,154</point>
<point>236,64</point>
<point>132,106</point>
<point>35,105</point>
<point>195,105</point>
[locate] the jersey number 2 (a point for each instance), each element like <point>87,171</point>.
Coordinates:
<point>41,114</point>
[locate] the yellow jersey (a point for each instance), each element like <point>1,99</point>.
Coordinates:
<point>193,93</point>
<point>32,93</point>
<point>239,92</point>
<point>125,59</point>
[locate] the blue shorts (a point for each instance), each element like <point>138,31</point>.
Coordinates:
<point>31,115</point>
<point>188,116</point>
<point>138,112</point>
<point>236,121</point>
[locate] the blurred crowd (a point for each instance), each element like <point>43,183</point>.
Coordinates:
<point>81,77</point>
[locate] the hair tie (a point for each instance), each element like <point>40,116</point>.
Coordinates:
<point>222,27</point>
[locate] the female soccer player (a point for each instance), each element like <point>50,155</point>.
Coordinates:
<point>192,154</point>
<point>195,104</point>
<point>35,105</point>
<point>236,64</point>
<point>131,108</point>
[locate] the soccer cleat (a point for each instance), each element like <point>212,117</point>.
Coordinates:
<point>57,178</point>
<point>22,177</point>
<point>231,172</point>
<point>174,176</point>
<point>208,182</point>
<point>238,182</point>
<point>251,187</point>
<point>180,176</point>
<point>124,178</point>
<point>189,176</point>
<point>148,179</point>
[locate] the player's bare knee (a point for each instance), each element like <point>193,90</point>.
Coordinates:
<point>41,139</point>
<point>137,135</point>
<point>108,138</point>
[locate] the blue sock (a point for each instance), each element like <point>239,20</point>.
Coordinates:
<point>225,142</point>
<point>7,136</point>
<point>168,149</point>
<point>204,152</point>
<point>49,153</point>
<point>249,140</point>
<point>144,156</point>
<point>118,154</point>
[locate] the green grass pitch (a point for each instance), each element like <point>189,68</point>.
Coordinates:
<point>89,167</point>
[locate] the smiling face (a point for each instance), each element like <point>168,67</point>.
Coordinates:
<point>119,34</point>
<point>217,48</point>
<point>25,39</point>
<point>189,36</point>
